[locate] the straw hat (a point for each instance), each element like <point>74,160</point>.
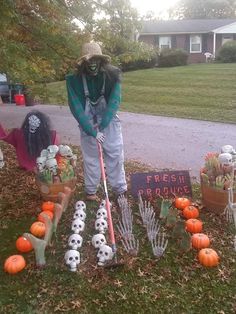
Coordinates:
<point>90,50</point>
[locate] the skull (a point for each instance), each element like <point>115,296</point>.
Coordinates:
<point>51,164</point>
<point>52,151</point>
<point>80,205</point>
<point>65,151</point>
<point>101,225</point>
<point>104,254</point>
<point>75,241</point>
<point>1,159</point>
<point>98,240</point>
<point>77,226</point>
<point>227,149</point>
<point>72,259</point>
<point>103,204</point>
<point>225,159</point>
<point>101,213</point>
<point>44,153</point>
<point>41,163</point>
<point>80,214</point>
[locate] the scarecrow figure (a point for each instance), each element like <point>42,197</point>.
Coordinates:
<point>94,95</point>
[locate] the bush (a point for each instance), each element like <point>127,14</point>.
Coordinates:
<point>172,57</point>
<point>227,53</point>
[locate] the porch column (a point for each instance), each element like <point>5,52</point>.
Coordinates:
<point>214,44</point>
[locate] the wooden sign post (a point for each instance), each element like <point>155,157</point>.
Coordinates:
<point>165,184</point>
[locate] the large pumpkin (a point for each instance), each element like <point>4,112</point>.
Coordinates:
<point>208,257</point>
<point>182,202</point>
<point>14,264</point>
<point>48,206</point>
<point>190,212</point>
<point>193,225</point>
<point>45,212</point>
<point>200,241</point>
<point>23,245</point>
<point>38,229</point>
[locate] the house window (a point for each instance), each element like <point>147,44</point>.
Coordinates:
<point>164,42</point>
<point>226,38</point>
<point>195,44</point>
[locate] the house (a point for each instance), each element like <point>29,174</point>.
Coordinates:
<point>197,37</point>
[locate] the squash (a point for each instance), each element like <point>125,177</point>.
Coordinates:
<point>181,202</point>
<point>193,225</point>
<point>48,206</point>
<point>23,245</point>
<point>38,229</point>
<point>45,212</point>
<point>208,257</point>
<point>14,264</point>
<point>200,241</point>
<point>190,212</point>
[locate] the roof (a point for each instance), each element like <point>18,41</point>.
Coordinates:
<point>184,26</point>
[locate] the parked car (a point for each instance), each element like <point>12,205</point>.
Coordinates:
<point>8,90</point>
<point>4,87</point>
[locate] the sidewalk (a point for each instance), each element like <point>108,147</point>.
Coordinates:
<point>164,143</point>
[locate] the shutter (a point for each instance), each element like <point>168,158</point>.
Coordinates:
<point>204,43</point>
<point>187,43</point>
<point>156,41</point>
<point>173,42</point>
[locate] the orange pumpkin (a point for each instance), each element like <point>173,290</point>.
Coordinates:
<point>47,212</point>
<point>38,229</point>
<point>23,245</point>
<point>193,225</point>
<point>182,202</point>
<point>208,257</point>
<point>190,212</point>
<point>14,264</point>
<point>48,206</point>
<point>200,241</point>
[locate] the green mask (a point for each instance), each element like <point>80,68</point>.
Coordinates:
<point>93,66</point>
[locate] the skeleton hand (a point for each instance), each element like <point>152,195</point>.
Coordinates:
<point>100,137</point>
<point>159,245</point>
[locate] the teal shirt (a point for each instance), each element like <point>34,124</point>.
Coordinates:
<point>76,99</point>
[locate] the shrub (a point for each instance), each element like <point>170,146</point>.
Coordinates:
<point>172,57</point>
<point>227,53</point>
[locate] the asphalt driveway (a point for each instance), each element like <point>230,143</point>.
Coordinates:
<point>162,142</point>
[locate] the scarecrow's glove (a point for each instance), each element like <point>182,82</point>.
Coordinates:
<point>100,137</point>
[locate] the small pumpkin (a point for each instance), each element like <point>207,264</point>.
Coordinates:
<point>48,206</point>
<point>190,212</point>
<point>14,264</point>
<point>38,229</point>
<point>200,241</point>
<point>193,225</point>
<point>45,212</point>
<point>208,257</point>
<point>182,202</point>
<point>23,245</point>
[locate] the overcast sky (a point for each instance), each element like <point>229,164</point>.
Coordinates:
<point>143,6</point>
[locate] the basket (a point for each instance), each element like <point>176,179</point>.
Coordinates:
<point>49,192</point>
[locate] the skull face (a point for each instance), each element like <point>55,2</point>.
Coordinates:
<point>72,259</point>
<point>101,213</point>
<point>44,153</point>
<point>227,149</point>
<point>65,151</point>
<point>225,159</point>
<point>104,254</point>
<point>98,240</point>
<point>75,241</point>
<point>80,205</point>
<point>51,164</point>
<point>77,226</point>
<point>80,214</point>
<point>103,204</point>
<point>52,151</point>
<point>1,159</point>
<point>41,163</point>
<point>101,225</point>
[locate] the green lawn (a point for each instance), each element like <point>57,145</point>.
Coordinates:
<point>199,91</point>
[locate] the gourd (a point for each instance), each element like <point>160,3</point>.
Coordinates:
<point>182,202</point>
<point>46,212</point>
<point>190,212</point>
<point>200,241</point>
<point>193,225</point>
<point>38,229</point>
<point>23,245</point>
<point>48,206</point>
<point>14,264</point>
<point>208,257</point>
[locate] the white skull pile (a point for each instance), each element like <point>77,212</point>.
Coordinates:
<point>230,150</point>
<point>72,259</point>
<point>2,163</point>
<point>225,159</point>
